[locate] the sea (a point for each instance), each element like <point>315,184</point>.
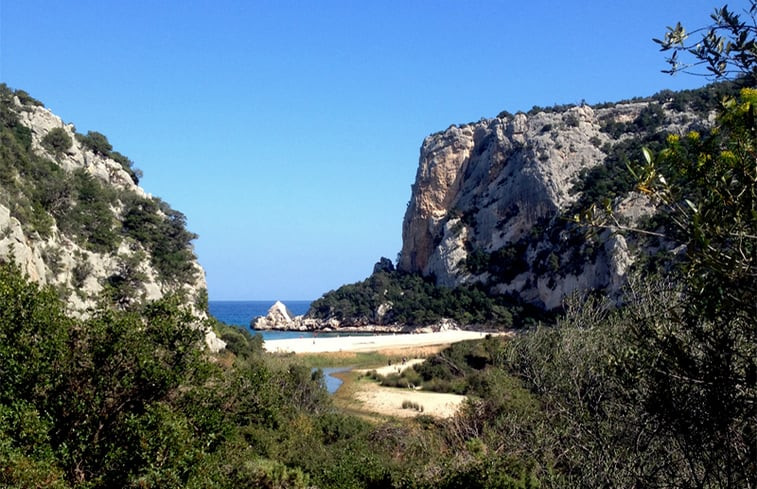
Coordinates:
<point>241,314</point>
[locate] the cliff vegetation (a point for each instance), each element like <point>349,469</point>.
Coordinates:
<point>72,215</point>
<point>391,297</point>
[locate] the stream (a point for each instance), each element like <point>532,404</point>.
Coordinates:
<point>332,383</point>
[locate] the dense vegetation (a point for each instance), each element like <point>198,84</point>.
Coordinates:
<point>660,392</point>
<point>612,179</point>
<point>462,368</point>
<point>41,194</point>
<point>392,297</point>
<point>128,399</point>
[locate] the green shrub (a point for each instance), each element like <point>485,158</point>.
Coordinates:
<point>27,99</point>
<point>57,141</point>
<point>81,271</point>
<point>91,219</point>
<point>650,118</point>
<point>239,341</point>
<point>412,405</point>
<point>128,166</point>
<point>571,120</point>
<point>99,144</point>
<point>162,230</point>
<point>95,142</point>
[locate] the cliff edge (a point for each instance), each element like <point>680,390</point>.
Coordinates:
<point>491,199</point>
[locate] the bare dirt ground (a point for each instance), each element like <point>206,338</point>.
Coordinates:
<point>388,401</point>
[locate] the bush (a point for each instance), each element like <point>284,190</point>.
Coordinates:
<point>99,144</point>
<point>57,141</point>
<point>81,272</point>
<point>650,118</point>
<point>95,142</point>
<point>412,405</point>
<point>571,120</point>
<point>91,219</point>
<point>162,231</point>
<point>128,166</point>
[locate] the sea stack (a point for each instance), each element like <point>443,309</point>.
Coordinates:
<point>278,317</point>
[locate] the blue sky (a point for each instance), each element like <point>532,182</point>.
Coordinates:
<point>288,132</point>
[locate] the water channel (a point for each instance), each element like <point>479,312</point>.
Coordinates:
<point>332,383</point>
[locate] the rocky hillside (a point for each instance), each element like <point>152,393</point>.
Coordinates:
<point>489,235</point>
<point>492,199</point>
<point>73,216</point>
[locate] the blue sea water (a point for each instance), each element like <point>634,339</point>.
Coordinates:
<point>241,313</point>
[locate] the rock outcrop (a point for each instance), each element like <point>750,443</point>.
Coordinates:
<point>63,259</point>
<point>500,188</point>
<point>280,318</point>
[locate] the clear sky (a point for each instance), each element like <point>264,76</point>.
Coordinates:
<point>288,132</point>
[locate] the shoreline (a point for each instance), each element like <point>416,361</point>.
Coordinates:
<point>373,342</point>
<point>299,325</point>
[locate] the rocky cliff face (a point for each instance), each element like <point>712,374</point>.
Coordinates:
<point>489,198</point>
<point>79,265</point>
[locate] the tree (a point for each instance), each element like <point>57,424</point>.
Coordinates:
<point>726,48</point>
<point>57,141</point>
<point>34,355</point>
<point>698,360</point>
<point>96,142</point>
<point>707,187</point>
<point>692,365</point>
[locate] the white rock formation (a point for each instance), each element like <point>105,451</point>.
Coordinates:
<point>492,184</point>
<point>279,317</point>
<point>57,259</point>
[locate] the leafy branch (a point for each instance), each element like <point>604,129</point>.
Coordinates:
<point>725,49</point>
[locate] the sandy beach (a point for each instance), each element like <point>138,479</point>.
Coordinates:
<point>370,396</point>
<point>370,343</point>
<point>388,401</point>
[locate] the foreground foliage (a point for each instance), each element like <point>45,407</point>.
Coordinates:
<point>129,399</point>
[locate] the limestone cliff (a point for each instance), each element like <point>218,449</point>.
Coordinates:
<point>489,200</point>
<point>72,216</point>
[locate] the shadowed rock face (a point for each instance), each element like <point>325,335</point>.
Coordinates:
<point>488,185</point>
